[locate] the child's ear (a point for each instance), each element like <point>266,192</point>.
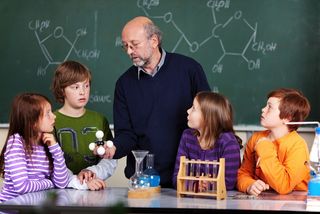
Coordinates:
<point>286,120</point>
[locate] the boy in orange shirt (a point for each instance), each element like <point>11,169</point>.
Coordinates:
<point>277,157</point>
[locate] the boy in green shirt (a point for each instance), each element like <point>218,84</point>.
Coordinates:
<point>76,126</point>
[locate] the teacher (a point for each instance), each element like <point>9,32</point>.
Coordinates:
<point>152,97</point>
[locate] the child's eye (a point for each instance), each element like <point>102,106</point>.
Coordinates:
<point>47,113</point>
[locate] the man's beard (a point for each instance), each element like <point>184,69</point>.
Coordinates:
<point>142,62</point>
<point>139,63</point>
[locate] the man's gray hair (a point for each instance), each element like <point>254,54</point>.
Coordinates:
<point>151,29</point>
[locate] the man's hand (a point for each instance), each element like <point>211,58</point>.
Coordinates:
<point>86,175</point>
<point>257,187</point>
<point>110,151</point>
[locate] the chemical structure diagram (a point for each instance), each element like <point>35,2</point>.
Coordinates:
<point>41,27</point>
<point>67,46</point>
<point>216,6</point>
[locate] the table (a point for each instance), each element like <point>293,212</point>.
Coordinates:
<point>111,199</point>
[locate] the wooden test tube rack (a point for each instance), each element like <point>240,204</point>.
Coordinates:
<point>184,180</point>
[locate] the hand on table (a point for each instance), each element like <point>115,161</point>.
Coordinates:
<point>257,187</point>
<point>96,184</point>
<point>86,175</point>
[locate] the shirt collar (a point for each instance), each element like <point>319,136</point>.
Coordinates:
<point>157,68</point>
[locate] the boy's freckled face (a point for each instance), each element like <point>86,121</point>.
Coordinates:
<point>77,95</point>
<point>270,116</point>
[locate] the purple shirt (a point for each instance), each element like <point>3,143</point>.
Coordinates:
<point>226,147</point>
<point>25,174</point>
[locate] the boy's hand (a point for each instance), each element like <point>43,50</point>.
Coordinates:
<point>257,187</point>
<point>96,184</point>
<point>48,139</point>
<point>86,175</point>
<point>260,140</point>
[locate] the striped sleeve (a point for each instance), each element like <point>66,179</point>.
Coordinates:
<point>16,167</point>
<point>60,173</point>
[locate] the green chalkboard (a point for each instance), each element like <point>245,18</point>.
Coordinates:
<point>246,47</point>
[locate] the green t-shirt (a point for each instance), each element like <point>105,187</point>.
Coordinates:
<point>76,133</point>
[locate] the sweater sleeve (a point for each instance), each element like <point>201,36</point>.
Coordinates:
<point>247,170</point>
<point>200,82</point>
<point>107,132</point>
<point>60,172</point>
<point>283,176</point>
<point>16,167</point>
<point>125,137</point>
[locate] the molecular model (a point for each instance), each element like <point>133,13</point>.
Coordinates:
<point>100,143</point>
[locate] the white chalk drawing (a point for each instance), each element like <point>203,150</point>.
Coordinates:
<point>216,6</point>
<point>41,29</point>
<point>43,32</point>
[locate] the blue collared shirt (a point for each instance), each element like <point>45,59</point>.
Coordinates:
<point>157,68</point>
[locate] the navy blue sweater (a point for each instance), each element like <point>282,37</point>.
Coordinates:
<point>150,113</point>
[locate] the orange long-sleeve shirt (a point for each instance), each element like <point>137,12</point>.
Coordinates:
<point>281,163</point>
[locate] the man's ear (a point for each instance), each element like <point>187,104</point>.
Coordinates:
<point>154,41</point>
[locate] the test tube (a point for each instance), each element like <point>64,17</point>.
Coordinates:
<point>198,167</point>
<point>214,175</point>
<point>191,174</point>
<point>208,175</point>
<point>197,174</point>
<point>186,184</point>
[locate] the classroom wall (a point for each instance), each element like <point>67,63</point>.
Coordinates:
<point>119,180</point>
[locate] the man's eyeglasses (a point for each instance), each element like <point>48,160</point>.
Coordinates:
<point>133,46</point>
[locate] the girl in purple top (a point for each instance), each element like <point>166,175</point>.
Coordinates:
<point>211,135</point>
<point>31,159</point>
